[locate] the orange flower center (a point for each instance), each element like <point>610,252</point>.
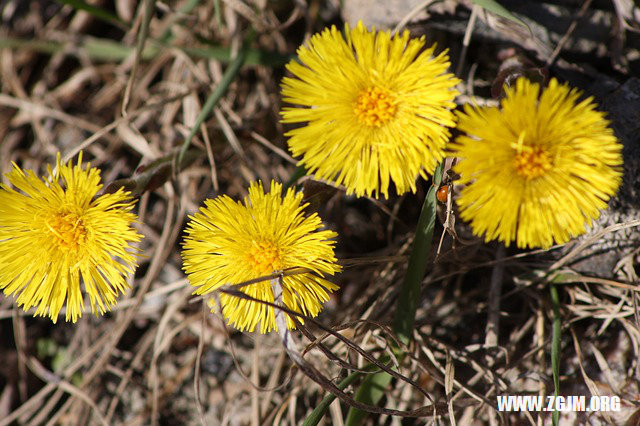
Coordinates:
<point>375,106</point>
<point>265,258</point>
<point>68,230</point>
<point>532,163</point>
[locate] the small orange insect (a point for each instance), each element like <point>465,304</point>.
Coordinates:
<point>443,193</point>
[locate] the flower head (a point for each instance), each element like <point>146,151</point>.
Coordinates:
<point>539,168</point>
<point>377,108</point>
<point>230,242</point>
<point>55,233</point>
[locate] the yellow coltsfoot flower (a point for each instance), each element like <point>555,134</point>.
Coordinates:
<point>377,108</point>
<point>55,233</point>
<point>230,243</point>
<point>539,169</point>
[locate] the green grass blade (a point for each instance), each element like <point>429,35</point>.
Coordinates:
<point>370,392</point>
<point>40,46</point>
<point>183,11</point>
<point>299,172</point>
<point>217,14</point>
<point>555,347</point>
<point>112,51</point>
<point>316,415</point>
<point>106,50</point>
<point>404,317</point>
<point>97,12</point>
<point>373,387</point>
<point>495,7</point>
<point>100,49</point>
<point>220,90</point>
<point>253,56</point>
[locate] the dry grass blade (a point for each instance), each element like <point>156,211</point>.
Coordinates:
<point>197,372</point>
<point>565,37</point>
<point>467,38</point>
<point>255,371</point>
<point>39,109</point>
<point>316,376</point>
<point>593,388</point>
<point>580,246</point>
<point>49,377</point>
<point>153,175</point>
<point>147,7</point>
<point>409,16</point>
<point>448,387</point>
<point>493,318</point>
<point>213,99</point>
<point>296,315</point>
<point>556,340</point>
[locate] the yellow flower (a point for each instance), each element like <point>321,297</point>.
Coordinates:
<point>377,108</point>
<point>54,233</point>
<point>229,243</point>
<point>538,169</point>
